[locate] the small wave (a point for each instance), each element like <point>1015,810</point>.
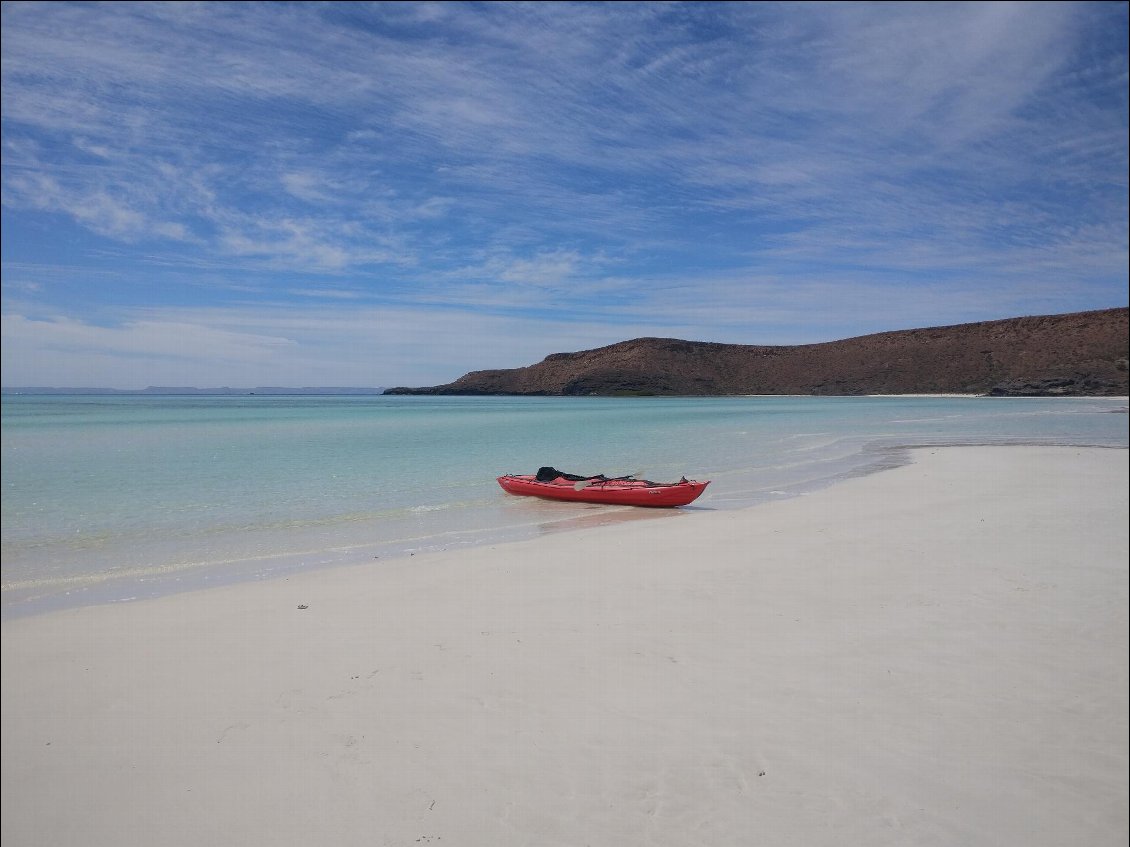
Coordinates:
<point>926,420</point>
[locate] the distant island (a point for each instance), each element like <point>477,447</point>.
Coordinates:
<point>178,391</point>
<point>1079,354</point>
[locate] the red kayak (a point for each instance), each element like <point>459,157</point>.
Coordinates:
<point>619,491</point>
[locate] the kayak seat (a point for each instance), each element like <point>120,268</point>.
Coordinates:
<point>548,474</point>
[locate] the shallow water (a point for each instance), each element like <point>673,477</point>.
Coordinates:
<point>109,498</point>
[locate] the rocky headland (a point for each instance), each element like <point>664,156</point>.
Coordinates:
<point>1078,354</point>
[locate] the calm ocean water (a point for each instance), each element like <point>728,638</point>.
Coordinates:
<point>111,498</point>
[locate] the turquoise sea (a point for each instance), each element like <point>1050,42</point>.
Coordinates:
<point>112,498</point>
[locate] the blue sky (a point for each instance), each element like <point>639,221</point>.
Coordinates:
<point>308,194</point>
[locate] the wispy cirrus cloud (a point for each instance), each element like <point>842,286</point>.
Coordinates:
<point>602,164</point>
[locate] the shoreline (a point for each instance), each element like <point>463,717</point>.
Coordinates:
<point>123,587</point>
<point>114,569</point>
<point>936,653</point>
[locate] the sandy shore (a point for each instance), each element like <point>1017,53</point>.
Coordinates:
<point>932,655</point>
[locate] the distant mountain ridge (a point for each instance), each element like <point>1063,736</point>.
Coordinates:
<point>1077,354</point>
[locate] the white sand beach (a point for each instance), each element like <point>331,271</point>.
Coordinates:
<point>931,655</point>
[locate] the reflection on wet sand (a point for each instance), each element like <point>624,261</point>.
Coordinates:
<point>564,517</point>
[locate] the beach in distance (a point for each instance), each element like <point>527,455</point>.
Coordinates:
<point>933,654</point>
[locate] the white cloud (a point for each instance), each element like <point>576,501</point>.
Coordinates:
<point>251,347</point>
<point>742,172</point>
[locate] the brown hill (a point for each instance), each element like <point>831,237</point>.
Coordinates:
<point>1078,354</point>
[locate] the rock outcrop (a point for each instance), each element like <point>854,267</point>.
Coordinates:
<point>1079,354</point>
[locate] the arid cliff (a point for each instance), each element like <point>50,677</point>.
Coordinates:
<point>1079,354</point>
